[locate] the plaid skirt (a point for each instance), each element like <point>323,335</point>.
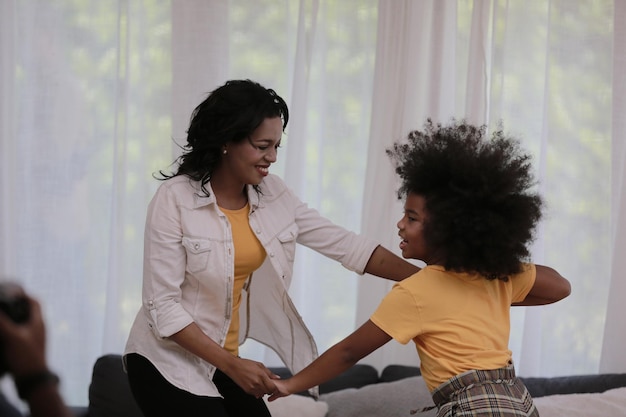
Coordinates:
<point>484,393</point>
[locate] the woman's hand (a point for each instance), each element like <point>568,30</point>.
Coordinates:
<point>253,377</point>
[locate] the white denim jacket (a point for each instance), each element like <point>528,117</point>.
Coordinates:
<point>189,269</point>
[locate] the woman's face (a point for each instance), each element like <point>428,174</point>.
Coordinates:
<point>411,228</point>
<point>248,161</point>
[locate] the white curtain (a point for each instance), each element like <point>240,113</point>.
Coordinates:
<point>553,73</point>
<point>96,95</point>
<point>614,340</point>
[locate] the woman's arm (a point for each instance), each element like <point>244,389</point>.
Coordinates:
<point>549,287</point>
<point>385,264</point>
<point>334,361</point>
<point>322,235</point>
<point>253,377</point>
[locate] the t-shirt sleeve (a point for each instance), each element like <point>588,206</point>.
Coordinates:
<point>523,282</point>
<point>398,315</point>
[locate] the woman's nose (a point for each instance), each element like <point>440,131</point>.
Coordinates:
<point>271,155</point>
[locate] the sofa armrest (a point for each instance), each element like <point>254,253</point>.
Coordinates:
<point>109,391</point>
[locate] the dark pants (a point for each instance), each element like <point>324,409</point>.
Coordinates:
<point>156,397</point>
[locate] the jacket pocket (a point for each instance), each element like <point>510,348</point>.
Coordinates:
<point>198,252</point>
<point>287,239</point>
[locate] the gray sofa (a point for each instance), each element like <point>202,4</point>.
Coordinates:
<point>360,387</point>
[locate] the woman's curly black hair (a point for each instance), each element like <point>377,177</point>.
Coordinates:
<point>481,211</point>
<point>230,113</point>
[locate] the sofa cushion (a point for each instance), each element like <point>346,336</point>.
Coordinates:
<point>609,403</point>
<point>539,386</point>
<point>296,405</point>
<point>385,399</point>
<point>109,391</point>
<point>395,372</point>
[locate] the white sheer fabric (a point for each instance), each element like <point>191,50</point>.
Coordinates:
<point>96,94</point>
<point>614,341</point>
<point>538,67</point>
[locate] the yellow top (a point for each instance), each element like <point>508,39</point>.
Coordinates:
<point>249,255</point>
<point>458,322</point>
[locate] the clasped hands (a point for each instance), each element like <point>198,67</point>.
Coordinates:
<point>257,380</point>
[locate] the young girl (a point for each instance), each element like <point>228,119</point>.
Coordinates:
<point>469,214</point>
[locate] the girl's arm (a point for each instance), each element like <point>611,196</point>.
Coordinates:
<point>334,361</point>
<point>549,287</point>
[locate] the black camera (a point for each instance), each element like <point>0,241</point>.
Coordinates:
<point>15,305</point>
<point>13,302</point>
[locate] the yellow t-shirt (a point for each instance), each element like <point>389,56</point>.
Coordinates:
<point>249,255</point>
<point>458,322</point>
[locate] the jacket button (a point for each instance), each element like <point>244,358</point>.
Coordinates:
<point>271,254</point>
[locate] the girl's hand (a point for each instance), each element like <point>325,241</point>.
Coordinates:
<point>282,390</point>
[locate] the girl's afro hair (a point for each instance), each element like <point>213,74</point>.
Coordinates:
<point>481,211</point>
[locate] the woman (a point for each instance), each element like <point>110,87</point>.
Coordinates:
<point>218,259</point>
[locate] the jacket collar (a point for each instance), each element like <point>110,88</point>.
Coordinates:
<point>201,200</point>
